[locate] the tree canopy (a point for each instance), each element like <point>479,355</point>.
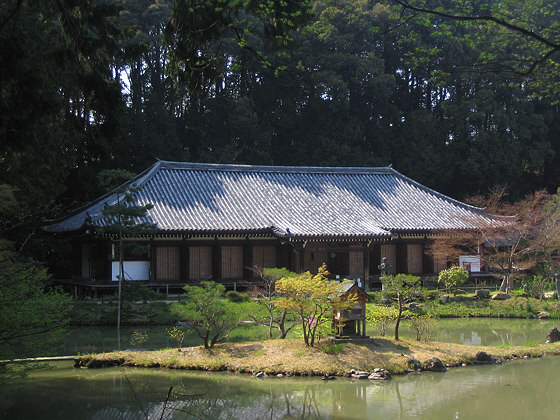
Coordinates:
<point>92,85</point>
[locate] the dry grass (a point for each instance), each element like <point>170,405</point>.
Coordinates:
<point>293,357</point>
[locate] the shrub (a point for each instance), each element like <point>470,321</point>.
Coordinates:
<point>536,286</point>
<point>453,277</point>
<point>425,326</point>
<point>381,317</point>
<point>237,297</point>
<point>178,335</point>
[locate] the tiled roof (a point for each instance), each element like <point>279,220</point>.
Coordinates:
<point>195,198</point>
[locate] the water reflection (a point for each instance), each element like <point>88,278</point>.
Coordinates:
<point>516,390</point>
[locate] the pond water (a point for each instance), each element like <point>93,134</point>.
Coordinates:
<point>470,331</point>
<point>516,390</point>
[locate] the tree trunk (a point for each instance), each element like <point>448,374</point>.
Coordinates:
<point>121,276</point>
<point>399,314</point>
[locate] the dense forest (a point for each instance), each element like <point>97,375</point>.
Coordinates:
<point>452,100</point>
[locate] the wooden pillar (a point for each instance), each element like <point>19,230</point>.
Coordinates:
<point>153,261</point>
<point>366,268</point>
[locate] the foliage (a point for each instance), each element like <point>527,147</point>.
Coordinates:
<point>536,286</point>
<point>271,316</point>
<point>32,317</point>
<point>382,317</point>
<point>453,277</point>
<point>405,286</point>
<point>207,313</point>
<point>178,335</point>
<point>234,296</point>
<point>504,241</point>
<point>138,338</point>
<point>333,348</point>
<point>425,326</point>
<point>314,298</point>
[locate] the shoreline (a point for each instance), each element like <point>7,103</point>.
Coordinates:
<point>290,357</point>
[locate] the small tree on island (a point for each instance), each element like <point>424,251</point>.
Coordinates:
<point>273,316</point>
<point>453,277</point>
<point>405,286</point>
<point>314,298</point>
<point>207,313</point>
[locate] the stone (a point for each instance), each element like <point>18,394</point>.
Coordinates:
<point>482,294</point>
<point>434,365</point>
<point>445,298</point>
<point>414,364</point>
<point>280,375</point>
<point>385,300</point>
<point>483,357</point>
<point>553,335</point>
<point>458,298</point>
<point>413,306</point>
<point>543,315</point>
<point>549,295</point>
<point>261,375</point>
<point>328,377</point>
<point>501,296</point>
<point>380,375</point>
<point>360,374</point>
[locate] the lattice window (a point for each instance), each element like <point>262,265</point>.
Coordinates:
<point>200,263</point>
<point>168,263</point>
<point>356,263</point>
<point>414,258</point>
<point>264,256</point>
<point>232,262</point>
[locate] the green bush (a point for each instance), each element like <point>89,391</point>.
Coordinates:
<point>425,326</point>
<point>381,317</point>
<point>453,277</point>
<point>237,297</point>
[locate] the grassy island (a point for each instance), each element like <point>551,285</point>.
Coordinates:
<point>292,357</point>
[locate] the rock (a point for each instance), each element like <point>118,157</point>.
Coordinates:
<point>483,357</point>
<point>482,294</point>
<point>379,375</point>
<point>458,298</point>
<point>543,315</point>
<point>328,378</point>
<point>445,298</point>
<point>549,295</point>
<point>414,363</point>
<point>413,306</point>
<point>280,375</point>
<point>501,296</point>
<point>261,375</point>
<point>434,365</point>
<point>553,335</point>
<point>360,375</point>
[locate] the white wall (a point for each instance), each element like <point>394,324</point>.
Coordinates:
<point>133,270</point>
<point>473,260</point>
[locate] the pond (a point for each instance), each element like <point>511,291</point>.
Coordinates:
<point>470,331</point>
<point>516,390</point>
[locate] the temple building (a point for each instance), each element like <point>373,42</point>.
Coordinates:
<point>214,221</point>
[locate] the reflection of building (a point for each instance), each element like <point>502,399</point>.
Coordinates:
<point>217,221</point>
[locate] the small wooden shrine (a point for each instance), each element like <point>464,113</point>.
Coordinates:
<point>351,323</point>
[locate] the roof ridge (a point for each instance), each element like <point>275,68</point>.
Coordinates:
<point>233,167</point>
